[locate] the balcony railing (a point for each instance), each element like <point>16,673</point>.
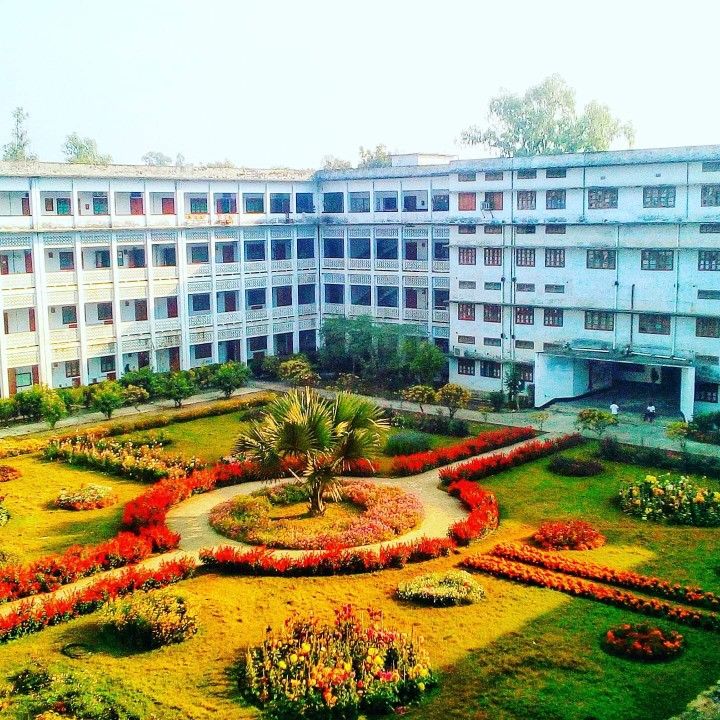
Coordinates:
<point>100,331</point>
<point>358,264</point>
<point>334,309</point>
<point>165,272</point>
<point>64,335</point>
<point>198,270</point>
<point>134,327</point>
<point>200,320</point>
<point>441,266</point>
<point>64,277</point>
<point>99,275</point>
<point>132,274</point>
<point>229,318</point>
<point>390,313</point>
<point>260,314</point>
<point>419,265</point>
<point>387,264</point>
<point>415,314</point>
<point>307,264</point>
<point>442,316</point>
<point>278,265</point>
<point>283,312</point>
<point>18,280</point>
<point>165,324</point>
<point>356,310</point>
<point>229,268</point>
<point>259,266</point>
<point>333,263</point>
<point>308,309</point>
<point>21,339</point>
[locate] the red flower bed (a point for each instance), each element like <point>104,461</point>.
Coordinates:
<point>568,535</point>
<point>644,642</point>
<point>484,466</point>
<point>329,562</point>
<point>484,514</point>
<point>530,575</point>
<point>8,472</point>
<point>32,617</point>
<point>484,442</point>
<point>623,578</point>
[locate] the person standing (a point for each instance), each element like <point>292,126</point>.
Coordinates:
<point>650,412</point>
<point>614,409</point>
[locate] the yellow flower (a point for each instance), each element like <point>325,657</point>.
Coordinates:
<point>293,658</point>
<point>421,686</point>
<point>282,665</point>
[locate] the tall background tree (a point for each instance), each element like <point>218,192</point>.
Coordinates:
<point>379,157</point>
<point>545,120</point>
<point>156,158</point>
<point>330,162</point>
<point>18,149</point>
<point>84,151</point>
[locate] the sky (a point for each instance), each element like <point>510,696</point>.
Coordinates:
<point>286,82</point>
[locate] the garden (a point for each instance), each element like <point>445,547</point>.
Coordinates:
<point>578,581</point>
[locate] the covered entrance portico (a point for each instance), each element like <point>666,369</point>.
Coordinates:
<point>631,380</point>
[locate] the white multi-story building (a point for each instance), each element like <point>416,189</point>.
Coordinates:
<point>584,269</point>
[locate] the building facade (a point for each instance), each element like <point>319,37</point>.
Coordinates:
<point>580,269</point>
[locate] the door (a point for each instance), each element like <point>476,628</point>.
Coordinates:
<point>411,203</point>
<point>411,298</point>
<point>168,206</point>
<point>174,354</point>
<point>141,310</point>
<point>228,254</point>
<point>4,265</point>
<point>230,302</point>
<point>28,261</point>
<point>136,204</point>
<point>12,380</point>
<point>411,251</point>
<point>144,358</point>
<point>172,307</point>
<point>31,319</point>
<point>25,205</point>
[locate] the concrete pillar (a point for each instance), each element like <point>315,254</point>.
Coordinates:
<point>687,392</point>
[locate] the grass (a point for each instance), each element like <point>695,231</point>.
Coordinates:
<point>522,653</point>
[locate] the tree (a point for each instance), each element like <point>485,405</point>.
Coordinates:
<point>156,158</point>
<point>379,157</point>
<point>18,149</point>
<point>330,162</point>
<point>107,398</point>
<point>420,394</point>
<point>680,431</point>
<point>514,384</point>
<point>84,151</point>
<point>179,386</point>
<point>145,378</point>
<point>230,376</point>
<point>540,418</point>
<point>221,164</point>
<point>595,420</point>
<point>545,121</point>
<point>179,160</point>
<point>426,361</point>
<point>453,397</point>
<point>52,408</point>
<point>297,371</point>
<point>135,395</point>
<point>323,436</point>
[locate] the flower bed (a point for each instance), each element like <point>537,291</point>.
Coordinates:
<point>387,513</point>
<point>575,467</point>
<point>8,473</point>
<point>644,642</point>
<point>680,501</point>
<point>484,442</point>
<point>490,465</point>
<point>324,671</point>
<point>623,578</point>
<point>33,617</point>
<point>484,512</point>
<point>455,587</point>
<point>4,513</point>
<point>264,562</point>
<point>568,535</point>
<point>88,497</point>
<point>539,577</point>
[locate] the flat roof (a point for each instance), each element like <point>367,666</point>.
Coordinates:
<point>617,356</point>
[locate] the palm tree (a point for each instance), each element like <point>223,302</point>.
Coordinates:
<point>324,435</point>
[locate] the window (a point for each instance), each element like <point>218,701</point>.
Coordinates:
<point>304,203</point>
<point>653,324</point>
<point>526,174</point>
<point>710,196</point>
<point>49,204</point>
<point>359,248</point>
<point>492,313</point>
<point>467,284</point>
<point>467,229</point>
<point>386,201</point>
<point>466,339</point>
<point>305,248</point>
<point>72,368</point>
<point>306,294</point>
<point>555,257</point>
<point>526,199</point>
<point>525,345</point>
<point>555,199</point>
<point>553,317</point>
<point>656,259</point>
<point>104,312</point>
<point>525,287</point>
<point>203,351</point>
<point>490,369</point>
<point>494,200</point>
<point>107,363</point>
<point>200,302</point>
<point>525,230</point>
<point>69,314</point>
<point>492,342</point>
<point>602,198</point>
<point>63,206</point>
<point>282,296</point>
<point>360,295</point>
<point>226,204</point>
<point>660,196</point>
<point>707,327</point>
<point>709,359</point>
<point>467,177</point>
<point>414,201</point>
<point>554,288</point>
<point>524,315</point>
<point>441,201</point>
<point>441,299</point>
<point>335,294</point>
<point>254,250</point>
<point>492,286</point>
<point>597,320</point>
<point>255,298</point>
<point>706,392</point>
<point>494,175</point>
<point>492,229</point>
<point>465,367</point>
<point>553,173</point>
<point>254,203</point>
<point>199,254</point>
<point>601,259</point>
<point>386,249</point>
<point>333,248</point>
<point>710,228</point>
<point>466,311</point>
<point>711,167</point>
<point>466,201</point>
<point>198,206</point>
<point>708,294</point>
<point>359,202</point>
<point>280,203</point>
<point>525,257</point>
<point>466,256</point>
<point>100,204</point>
<point>441,250</point>
<point>66,259</point>
<point>333,202</point>
<point>709,260</point>
<point>493,256</point>
<point>555,229</point>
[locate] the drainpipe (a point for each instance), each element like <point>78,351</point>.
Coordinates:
<point>632,307</point>
<point>677,292</point>
<point>617,291</point>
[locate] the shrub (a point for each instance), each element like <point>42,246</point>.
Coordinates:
<point>407,442</point>
<point>496,400</point>
<point>575,467</point>
<point>484,512</point>
<point>420,394</point>
<point>443,425</point>
<point>230,376</point>
<point>454,587</point>
<point>4,513</point>
<point>179,386</point>
<point>52,408</point>
<point>146,379</point>
<point>595,420</point>
<point>28,403</point>
<point>453,397</point>
<point>568,535</point>
<point>8,410</point>
<point>8,472</point>
<point>88,497</point>
<point>151,620</point>
<point>297,371</point>
<point>135,395</point>
<point>107,397</point>
<point>643,642</point>
<point>680,501</point>
<point>322,671</point>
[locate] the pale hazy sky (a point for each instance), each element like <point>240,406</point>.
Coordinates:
<point>286,82</point>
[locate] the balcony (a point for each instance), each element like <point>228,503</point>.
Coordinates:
<point>442,316</point>
<point>442,266</point>
<point>197,219</point>
<point>126,274</point>
<point>309,309</point>
<point>198,270</point>
<point>258,266</point>
<point>200,320</point>
<point>333,263</point>
<point>387,264</point>
<point>229,318</point>
<point>167,324</point>
<point>333,309</point>
<point>169,272</point>
<point>18,280</point>
<point>415,314</point>
<point>358,264</point>
<point>65,277</point>
<point>101,331</point>
<point>103,275</point>
<point>21,339</point>
<point>307,264</point>
<point>64,335</point>
<point>357,310</point>
<point>279,265</point>
<point>416,265</point>
<point>135,327</point>
<point>258,314</point>
<point>389,313</point>
<point>229,268</point>
<point>283,312</point>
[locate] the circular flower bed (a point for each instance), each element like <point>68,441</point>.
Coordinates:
<point>455,587</point>
<point>277,517</point>
<point>575,467</point>
<point>568,535</point>
<point>151,620</point>
<point>322,671</point>
<point>88,497</point>
<point>644,642</point>
<point>8,473</point>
